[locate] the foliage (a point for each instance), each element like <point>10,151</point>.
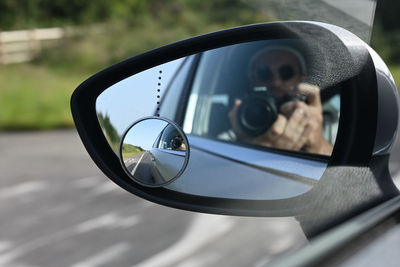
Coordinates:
<point>129,150</point>
<point>36,97</point>
<point>17,14</point>
<point>387,12</point>
<point>109,131</point>
<point>386,33</point>
<point>108,31</point>
<point>395,70</point>
<point>135,26</point>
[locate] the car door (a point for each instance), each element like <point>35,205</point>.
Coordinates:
<point>202,109</point>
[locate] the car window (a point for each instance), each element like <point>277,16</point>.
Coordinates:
<point>170,139</point>
<point>170,103</point>
<point>137,96</point>
<point>222,78</point>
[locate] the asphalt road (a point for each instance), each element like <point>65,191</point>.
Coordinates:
<point>58,209</point>
<point>142,170</point>
<point>140,167</point>
<point>130,162</point>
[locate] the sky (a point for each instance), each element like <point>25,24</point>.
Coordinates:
<point>135,97</point>
<point>144,133</point>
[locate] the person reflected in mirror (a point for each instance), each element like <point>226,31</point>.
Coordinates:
<point>171,139</point>
<point>277,75</point>
<point>177,143</point>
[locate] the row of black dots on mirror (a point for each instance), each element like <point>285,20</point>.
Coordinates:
<point>159,92</point>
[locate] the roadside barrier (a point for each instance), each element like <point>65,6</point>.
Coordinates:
<point>24,45</point>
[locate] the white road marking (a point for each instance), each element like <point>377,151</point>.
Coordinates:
<point>105,256</point>
<point>149,204</point>
<point>263,262</point>
<point>21,264</point>
<point>201,260</point>
<point>203,230</point>
<point>106,187</point>
<point>106,220</point>
<point>58,210</point>
<point>22,189</point>
<point>8,257</point>
<point>128,222</point>
<point>283,243</point>
<point>5,245</point>
<point>87,182</point>
<point>109,220</point>
<point>137,164</point>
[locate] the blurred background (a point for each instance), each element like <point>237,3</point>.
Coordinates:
<point>56,207</point>
<point>64,42</point>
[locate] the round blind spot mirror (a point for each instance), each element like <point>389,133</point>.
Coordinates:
<point>154,151</point>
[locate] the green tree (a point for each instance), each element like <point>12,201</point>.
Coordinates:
<point>109,130</point>
<point>386,34</point>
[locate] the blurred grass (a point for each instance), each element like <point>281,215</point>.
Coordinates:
<point>36,95</point>
<point>395,70</point>
<point>130,154</point>
<point>129,150</point>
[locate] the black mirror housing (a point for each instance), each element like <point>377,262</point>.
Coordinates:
<point>367,126</point>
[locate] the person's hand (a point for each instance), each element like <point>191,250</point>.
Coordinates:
<point>298,125</point>
<point>178,140</point>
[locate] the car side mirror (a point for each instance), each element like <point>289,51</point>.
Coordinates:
<point>153,151</point>
<point>234,94</point>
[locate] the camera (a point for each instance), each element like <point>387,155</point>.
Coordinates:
<point>260,109</point>
<point>176,142</point>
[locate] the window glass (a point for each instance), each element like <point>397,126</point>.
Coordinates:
<point>170,102</point>
<point>239,92</point>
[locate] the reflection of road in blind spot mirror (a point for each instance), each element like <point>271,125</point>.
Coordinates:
<point>154,151</point>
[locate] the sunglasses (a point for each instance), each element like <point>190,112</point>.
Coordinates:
<point>264,73</point>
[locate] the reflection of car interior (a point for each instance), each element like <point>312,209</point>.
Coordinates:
<point>200,96</point>
<point>167,155</point>
<point>169,138</point>
<point>216,78</point>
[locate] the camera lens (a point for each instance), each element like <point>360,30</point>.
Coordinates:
<point>176,142</point>
<point>256,116</point>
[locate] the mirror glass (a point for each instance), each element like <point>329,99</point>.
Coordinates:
<point>261,117</point>
<point>154,152</point>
